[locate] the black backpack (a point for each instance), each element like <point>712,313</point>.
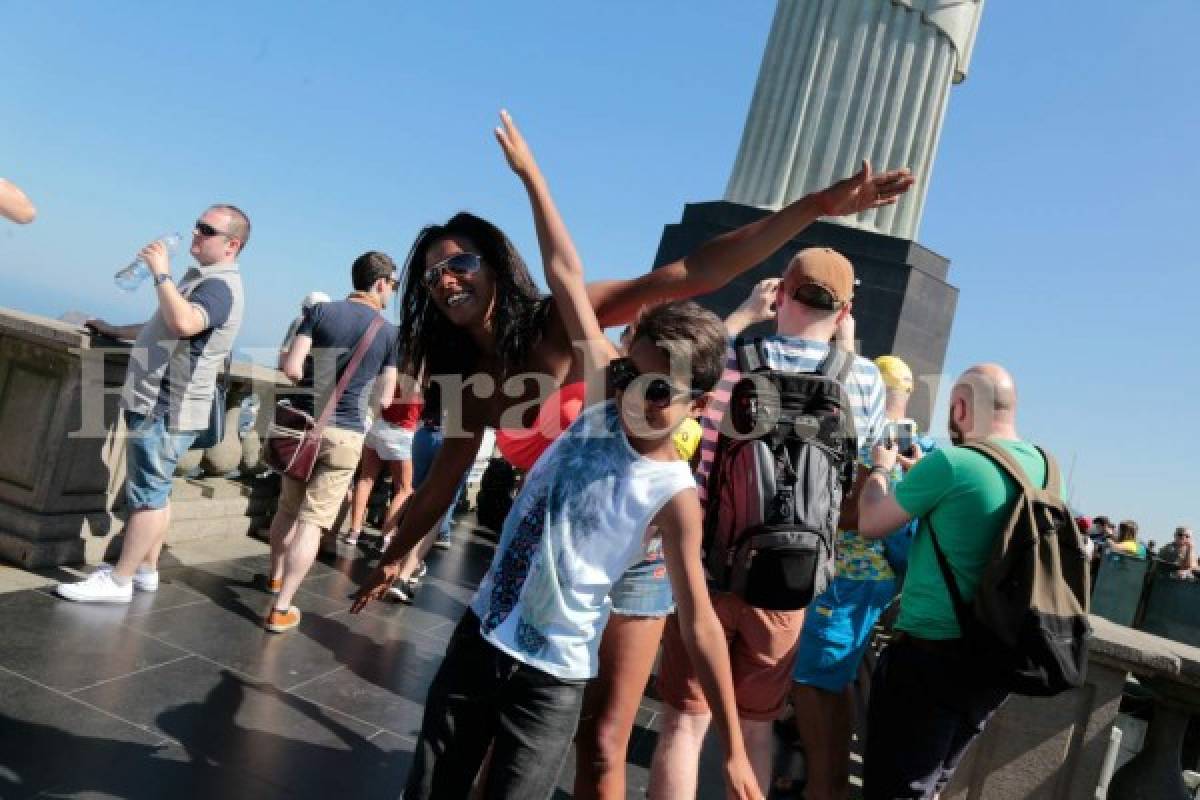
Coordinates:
<point>785,456</point>
<point>1027,626</point>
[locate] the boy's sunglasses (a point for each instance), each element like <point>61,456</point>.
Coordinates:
<point>204,229</point>
<point>459,263</point>
<point>659,392</point>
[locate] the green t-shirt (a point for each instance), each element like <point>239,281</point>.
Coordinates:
<point>969,499</point>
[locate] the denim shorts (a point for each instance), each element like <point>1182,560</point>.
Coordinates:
<point>643,591</point>
<point>151,453</point>
<point>837,630</point>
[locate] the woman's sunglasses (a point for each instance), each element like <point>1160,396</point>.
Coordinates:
<point>459,263</point>
<point>659,392</point>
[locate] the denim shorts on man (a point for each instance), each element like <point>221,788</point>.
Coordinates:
<point>151,454</point>
<point>837,630</point>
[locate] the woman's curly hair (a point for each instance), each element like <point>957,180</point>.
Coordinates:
<point>432,344</point>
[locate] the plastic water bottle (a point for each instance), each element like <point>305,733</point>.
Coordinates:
<point>134,275</point>
<point>248,414</point>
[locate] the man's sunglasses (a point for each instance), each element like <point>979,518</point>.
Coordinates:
<point>459,263</point>
<point>204,229</point>
<point>659,392</point>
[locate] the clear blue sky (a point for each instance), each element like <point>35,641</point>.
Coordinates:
<point>1064,189</point>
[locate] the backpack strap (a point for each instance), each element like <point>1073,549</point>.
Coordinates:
<point>962,612</point>
<point>1005,460</point>
<point>750,355</point>
<point>836,364</point>
<point>365,342</point>
<point>1053,475</point>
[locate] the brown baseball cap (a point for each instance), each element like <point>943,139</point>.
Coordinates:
<point>824,268</point>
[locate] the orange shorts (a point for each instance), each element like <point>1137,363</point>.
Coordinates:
<point>762,646</point>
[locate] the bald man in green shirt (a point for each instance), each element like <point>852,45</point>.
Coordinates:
<point>926,705</point>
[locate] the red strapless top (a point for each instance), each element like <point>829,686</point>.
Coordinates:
<point>404,415</point>
<point>521,447</point>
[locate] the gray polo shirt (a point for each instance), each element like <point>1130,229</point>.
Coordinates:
<point>178,377</point>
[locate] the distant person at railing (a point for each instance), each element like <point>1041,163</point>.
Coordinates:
<point>1127,543</point>
<point>310,300</point>
<point>14,205</point>
<point>1180,554</point>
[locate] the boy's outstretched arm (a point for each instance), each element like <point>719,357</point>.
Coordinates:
<point>680,522</point>
<point>564,271</point>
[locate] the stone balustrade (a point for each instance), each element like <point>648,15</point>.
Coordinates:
<point>1055,747</point>
<point>63,464</point>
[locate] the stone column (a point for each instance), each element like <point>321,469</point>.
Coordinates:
<point>843,80</point>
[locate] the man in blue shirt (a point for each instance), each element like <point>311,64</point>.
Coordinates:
<point>330,332</point>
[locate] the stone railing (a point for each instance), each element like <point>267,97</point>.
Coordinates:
<point>1055,747</point>
<point>62,466</point>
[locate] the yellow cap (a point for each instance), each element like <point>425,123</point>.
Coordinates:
<point>896,374</point>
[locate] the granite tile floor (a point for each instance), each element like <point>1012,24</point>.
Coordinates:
<point>183,694</point>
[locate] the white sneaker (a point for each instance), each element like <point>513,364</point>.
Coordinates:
<point>99,587</point>
<point>144,580</point>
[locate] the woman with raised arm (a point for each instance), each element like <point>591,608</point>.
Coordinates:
<point>473,320</point>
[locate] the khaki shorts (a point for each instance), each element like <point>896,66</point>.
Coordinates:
<point>319,500</point>
<point>762,646</point>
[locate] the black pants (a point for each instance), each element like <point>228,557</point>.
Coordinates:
<point>482,695</point>
<point>925,708</point>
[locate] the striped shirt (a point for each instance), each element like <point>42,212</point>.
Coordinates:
<point>857,558</point>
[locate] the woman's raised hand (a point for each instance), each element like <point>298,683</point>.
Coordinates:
<point>864,190</point>
<point>519,156</point>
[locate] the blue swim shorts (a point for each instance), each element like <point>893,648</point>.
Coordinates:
<point>837,628</point>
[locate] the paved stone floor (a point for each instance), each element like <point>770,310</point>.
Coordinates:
<point>183,694</point>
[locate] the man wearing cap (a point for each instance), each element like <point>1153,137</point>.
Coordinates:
<point>812,302</point>
<point>838,626</point>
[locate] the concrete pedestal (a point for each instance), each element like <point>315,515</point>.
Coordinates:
<point>904,305</point>
<point>57,473</point>
<point>62,466</point>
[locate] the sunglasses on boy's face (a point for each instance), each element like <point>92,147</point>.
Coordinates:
<point>459,263</point>
<point>659,392</point>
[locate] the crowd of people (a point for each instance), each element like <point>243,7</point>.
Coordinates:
<point>601,562</point>
<point>1177,558</point>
